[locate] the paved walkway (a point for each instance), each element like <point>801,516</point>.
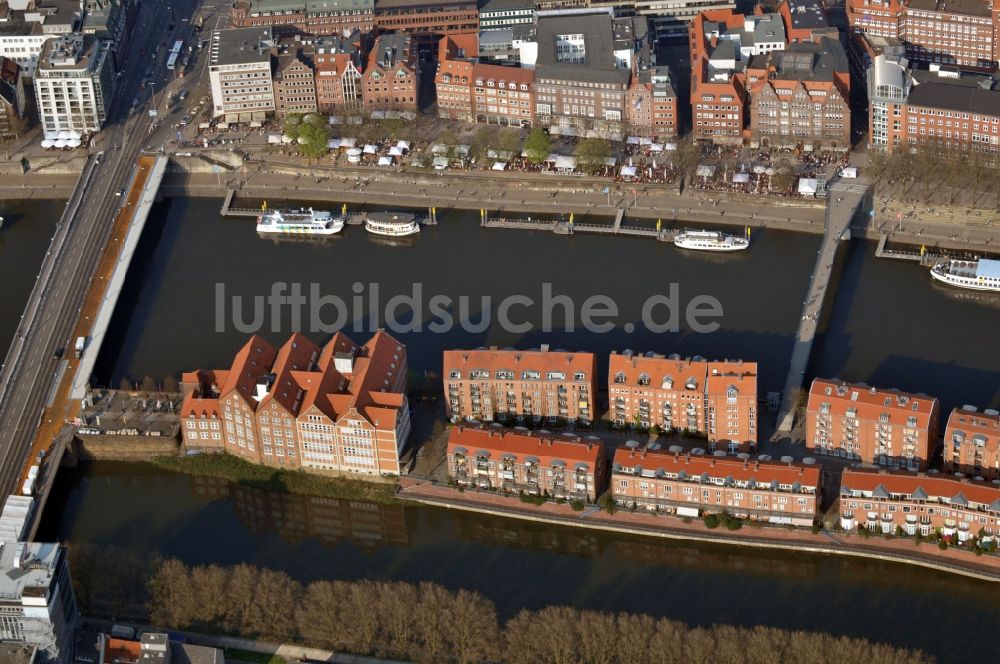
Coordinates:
<point>893,549</point>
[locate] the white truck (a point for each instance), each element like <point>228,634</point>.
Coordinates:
<point>28,488</point>
<point>81,343</point>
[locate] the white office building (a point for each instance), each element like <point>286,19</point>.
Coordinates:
<point>74,82</point>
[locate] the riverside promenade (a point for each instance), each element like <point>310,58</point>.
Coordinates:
<point>894,549</point>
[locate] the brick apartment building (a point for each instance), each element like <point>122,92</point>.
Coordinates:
<point>934,109</point>
<point>311,17</point>
<point>883,501</point>
<point>11,97</point>
<point>564,466</point>
<point>536,386</point>
<point>721,44</point>
<point>651,102</point>
<point>801,95</point>
<point>580,85</point>
<point>453,80</point>
<point>339,65</point>
<point>691,486</point>
<point>240,74</point>
<point>390,79</point>
<point>872,425</point>
<point>717,398</point>
<point>438,17</point>
<point>948,32</point>
<point>294,81</point>
<point>340,408</point>
<point>972,443</point>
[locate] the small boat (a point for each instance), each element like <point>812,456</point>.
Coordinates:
<point>392,224</point>
<point>299,222</point>
<point>979,275</point>
<point>710,241</point>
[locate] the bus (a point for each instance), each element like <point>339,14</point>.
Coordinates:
<point>175,53</point>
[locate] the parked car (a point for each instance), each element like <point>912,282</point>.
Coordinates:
<point>186,120</point>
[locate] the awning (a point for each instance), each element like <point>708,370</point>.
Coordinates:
<point>499,165</point>
<point>564,163</point>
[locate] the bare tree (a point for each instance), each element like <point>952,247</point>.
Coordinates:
<point>174,603</point>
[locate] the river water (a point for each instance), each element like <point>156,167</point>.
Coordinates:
<point>889,325</point>
<point>519,564</point>
<point>27,230</point>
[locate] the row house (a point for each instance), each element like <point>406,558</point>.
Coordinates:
<point>336,409</point>
<point>339,65</point>
<point>801,95</point>
<point>972,443</point>
<point>428,17</point>
<point>721,44</point>
<point>918,504</point>
<point>651,103</point>
<point>692,486</point>
<point>580,83</point>
<point>503,95</point>
<point>294,82</point>
<point>311,17</point>
<point>872,425</point>
<point>937,109</point>
<point>717,399</point>
<point>519,461</point>
<point>963,33</point>
<point>390,79</point>
<point>453,80</point>
<point>524,386</point>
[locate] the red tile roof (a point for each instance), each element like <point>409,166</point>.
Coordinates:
<point>871,401</point>
<point>934,486</point>
<point>546,448</point>
<point>762,472</point>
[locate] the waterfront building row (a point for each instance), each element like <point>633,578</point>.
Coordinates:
<point>341,408</point>
<point>770,79</point>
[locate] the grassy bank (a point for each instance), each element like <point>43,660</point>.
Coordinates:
<point>238,471</point>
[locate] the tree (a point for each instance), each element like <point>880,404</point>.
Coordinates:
<point>711,520</point>
<point>538,146</point>
<point>591,154</point>
<point>607,503</point>
<point>124,384</point>
<point>510,142</point>
<point>173,602</point>
<point>314,134</point>
<point>148,384</point>
<point>484,140</point>
<point>170,384</point>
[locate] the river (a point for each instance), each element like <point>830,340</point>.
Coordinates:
<point>27,230</point>
<point>519,564</point>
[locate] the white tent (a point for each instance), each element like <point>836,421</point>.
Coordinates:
<point>370,149</point>
<point>74,135</point>
<point>610,161</point>
<point>403,145</point>
<point>440,163</point>
<point>769,171</point>
<point>74,143</point>
<point>333,143</point>
<point>656,147</point>
<point>354,155</point>
<point>705,170</point>
<point>385,161</point>
<point>849,172</point>
<point>645,141</point>
<point>335,120</point>
<point>348,142</point>
<point>439,149</point>
<point>462,150</point>
<point>757,168</point>
<point>627,172</point>
<point>286,139</point>
<point>671,147</point>
<point>807,186</point>
<point>64,135</point>
<point>59,143</point>
<point>633,140</point>
<point>395,151</point>
<point>499,165</point>
<point>564,163</point>
<point>741,177</point>
<point>47,143</point>
<point>274,139</point>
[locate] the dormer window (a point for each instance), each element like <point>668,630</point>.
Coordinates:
<point>620,378</point>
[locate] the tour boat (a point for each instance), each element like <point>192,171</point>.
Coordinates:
<point>980,275</point>
<point>392,224</point>
<point>710,241</point>
<point>299,222</point>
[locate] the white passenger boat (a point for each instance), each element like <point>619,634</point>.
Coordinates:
<point>299,222</point>
<point>392,224</point>
<point>710,241</point>
<point>980,275</point>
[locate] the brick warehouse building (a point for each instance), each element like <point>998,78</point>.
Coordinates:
<point>312,17</point>
<point>340,408</point>
<point>717,399</point>
<point>884,427</point>
<point>539,386</point>
<point>691,486</point>
<point>563,466</point>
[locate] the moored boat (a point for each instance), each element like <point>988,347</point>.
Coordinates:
<point>392,224</point>
<point>710,241</point>
<point>979,275</point>
<point>299,222</point>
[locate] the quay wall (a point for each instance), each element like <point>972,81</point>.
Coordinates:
<point>107,447</point>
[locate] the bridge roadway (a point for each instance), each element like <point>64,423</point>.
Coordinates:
<point>842,205</point>
<point>56,301</point>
